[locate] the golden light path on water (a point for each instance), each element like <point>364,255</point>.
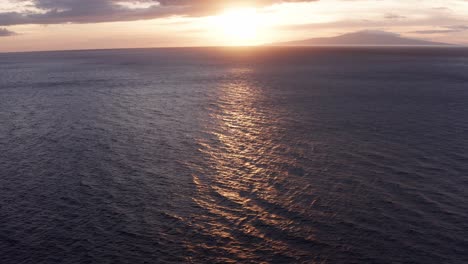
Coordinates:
<point>248,202</point>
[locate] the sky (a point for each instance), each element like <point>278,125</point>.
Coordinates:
<point>27,25</point>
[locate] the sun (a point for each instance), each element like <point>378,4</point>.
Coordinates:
<point>238,27</point>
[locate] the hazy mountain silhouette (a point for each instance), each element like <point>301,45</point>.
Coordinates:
<point>362,38</point>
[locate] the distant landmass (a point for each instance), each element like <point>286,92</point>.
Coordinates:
<point>362,38</point>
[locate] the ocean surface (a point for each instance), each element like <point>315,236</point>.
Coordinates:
<point>234,155</point>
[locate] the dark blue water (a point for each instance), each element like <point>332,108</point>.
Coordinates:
<point>252,155</point>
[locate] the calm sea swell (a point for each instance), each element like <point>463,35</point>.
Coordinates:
<point>250,155</point>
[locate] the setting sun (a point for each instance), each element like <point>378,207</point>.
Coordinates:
<point>238,27</point>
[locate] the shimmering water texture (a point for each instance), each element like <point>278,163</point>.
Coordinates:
<point>249,155</point>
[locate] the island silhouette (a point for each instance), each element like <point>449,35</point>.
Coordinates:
<point>362,38</point>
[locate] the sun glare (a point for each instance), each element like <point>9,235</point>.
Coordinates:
<point>238,27</point>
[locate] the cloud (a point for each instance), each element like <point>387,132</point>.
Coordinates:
<point>95,11</point>
<point>393,16</point>
<point>458,27</point>
<point>6,33</point>
<point>444,30</point>
<point>434,31</point>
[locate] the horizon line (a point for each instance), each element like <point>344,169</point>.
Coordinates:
<point>269,45</point>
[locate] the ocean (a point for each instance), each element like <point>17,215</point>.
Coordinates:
<point>234,155</point>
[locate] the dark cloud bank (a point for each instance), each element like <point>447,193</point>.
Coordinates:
<point>95,11</point>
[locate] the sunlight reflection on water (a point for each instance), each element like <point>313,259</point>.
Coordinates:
<point>237,200</point>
